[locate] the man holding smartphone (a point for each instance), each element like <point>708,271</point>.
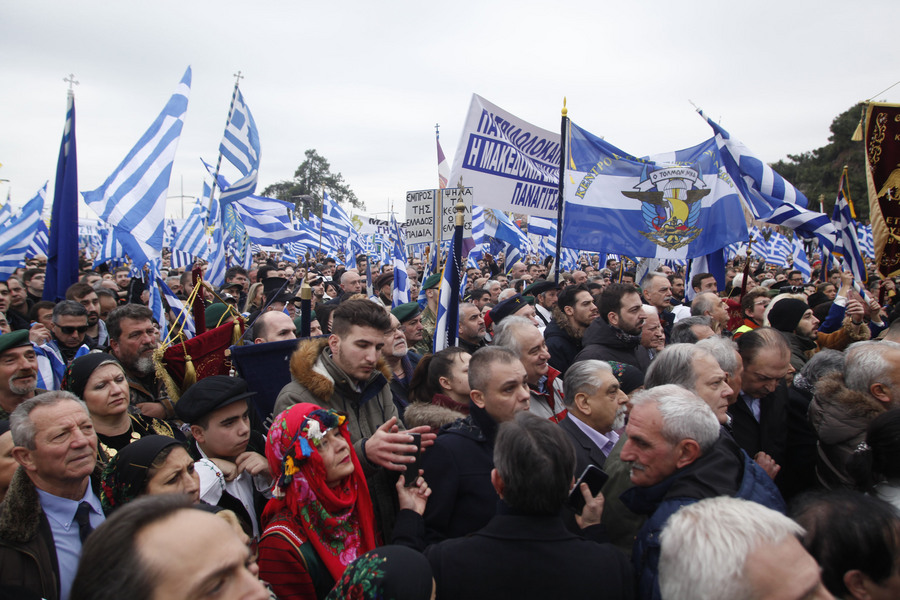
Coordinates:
<point>596,406</point>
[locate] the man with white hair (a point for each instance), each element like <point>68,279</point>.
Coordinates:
<point>596,408</point>
<point>731,548</point>
<point>708,304</point>
<point>678,456</point>
<point>846,402</point>
<point>653,337</point>
<point>52,504</point>
<point>521,336</point>
<point>657,292</point>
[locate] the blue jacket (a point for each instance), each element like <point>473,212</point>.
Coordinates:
<point>725,470</point>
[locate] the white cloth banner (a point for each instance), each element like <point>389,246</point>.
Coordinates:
<point>511,164</point>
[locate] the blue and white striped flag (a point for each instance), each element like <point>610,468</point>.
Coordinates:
<point>111,250</point>
<point>133,198</point>
<point>18,234</point>
<point>191,238</point>
<point>240,146</point>
<point>540,226</point>
<point>401,284</point>
<point>778,250</point>
<point>177,308</point>
<point>477,252</point>
<point>267,221</point>
<point>801,262</point>
<point>866,241</point>
<point>769,196</point>
<point>847,245</point>
<point>155,302</point>
<point>40,244</point>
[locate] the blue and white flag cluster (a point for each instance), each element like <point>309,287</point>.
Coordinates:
<point>133,198</point>
<point>672,206</point>
<point>39,245</point>
<point>18,234</point>
<point>801,262</point>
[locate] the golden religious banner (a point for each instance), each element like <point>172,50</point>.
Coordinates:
<point>882,138</point>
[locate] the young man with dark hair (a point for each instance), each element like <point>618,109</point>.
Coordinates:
<point>574,312</point>
<point>217,410</point>
<point>347,372</point>
<point>33,280</point>
<point>70,323</point>
<point>84,294</point>
<point>616,335</point>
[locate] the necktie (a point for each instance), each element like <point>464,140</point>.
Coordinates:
<point>83,518</point>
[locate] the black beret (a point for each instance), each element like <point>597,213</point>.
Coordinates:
<point>209,394</point>
<point>509,307</point>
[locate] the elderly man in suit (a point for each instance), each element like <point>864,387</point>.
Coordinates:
<point>596,406</point>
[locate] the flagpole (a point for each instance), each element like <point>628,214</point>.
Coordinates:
<point>212,189</point>
<point>564,126</point>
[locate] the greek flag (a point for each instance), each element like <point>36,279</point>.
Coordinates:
<point>267,221</point>
<point>540,226</point>
<point>177,307</point>
<point>191,238</point>
<point>847,245</point>
<point>133,198</point>
<point>669,206</point>
<point>447,320</point>
<point>866,241</point>
<point>801,262</point>
<point>770,197</point>
<point>240,146</point>
<point>779,249</point>
<point>181,260</point>
<point>40,242</point>
<point>477,233</point>
<point>18,234</point>
<point>401,283</point>
<point>111,250</point>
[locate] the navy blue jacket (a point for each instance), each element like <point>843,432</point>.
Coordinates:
<point>458,469</point>
<point>724,470</point>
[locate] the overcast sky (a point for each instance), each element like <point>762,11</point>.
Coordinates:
<point>365,82</point>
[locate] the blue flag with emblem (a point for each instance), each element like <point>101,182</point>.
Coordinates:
<point>672,206</point>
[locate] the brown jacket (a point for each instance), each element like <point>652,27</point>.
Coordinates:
<point>840,417</point>
<point>318,380</point>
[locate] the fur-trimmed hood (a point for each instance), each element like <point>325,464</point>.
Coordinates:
<point>423,413</point>
<point>562,321</point>
<point>308,368</point>
<point>20,516</point>
<point>838,413</point>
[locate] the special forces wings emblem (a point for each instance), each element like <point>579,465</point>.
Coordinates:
<point>671,205</point>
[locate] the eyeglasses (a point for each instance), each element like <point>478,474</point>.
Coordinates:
<point>67,330</point>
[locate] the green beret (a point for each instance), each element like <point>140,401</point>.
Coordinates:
<point>14,339</point>
<point>407,311</point>
<point>432,281</point>
<point>214,314</point>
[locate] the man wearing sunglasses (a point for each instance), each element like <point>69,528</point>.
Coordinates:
<point>68,328</point>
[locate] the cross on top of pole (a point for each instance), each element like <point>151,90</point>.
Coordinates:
<point>70,80</point>
<point>238,77</point>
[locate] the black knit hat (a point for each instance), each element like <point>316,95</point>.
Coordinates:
<point>785,315</point>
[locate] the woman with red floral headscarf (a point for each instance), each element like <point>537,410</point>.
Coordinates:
<point>320,518</point>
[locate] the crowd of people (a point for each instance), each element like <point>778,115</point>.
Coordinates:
<point>587,436</point>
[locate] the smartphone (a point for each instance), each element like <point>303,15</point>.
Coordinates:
<point>595,477</point>
<point>412,469</point>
